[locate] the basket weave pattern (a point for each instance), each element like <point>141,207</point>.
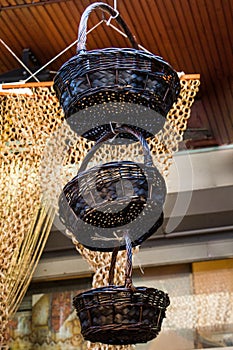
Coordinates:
<point>125,74</point>
<point>100,186</point>
<point>138,315</point>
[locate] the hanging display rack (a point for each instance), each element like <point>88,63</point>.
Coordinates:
<point>101,82</point>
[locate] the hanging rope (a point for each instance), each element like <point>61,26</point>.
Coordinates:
<point>115,5</point>
<point>61,53</point>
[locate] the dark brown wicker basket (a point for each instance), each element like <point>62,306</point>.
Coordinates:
<point>101,203</point>
<point>121,315</point>
<point>101,78</point>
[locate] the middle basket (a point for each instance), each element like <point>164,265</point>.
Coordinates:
<point>102,203</point>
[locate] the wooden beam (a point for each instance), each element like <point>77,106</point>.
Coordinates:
<point>190,77</point>
<point>27,85</point>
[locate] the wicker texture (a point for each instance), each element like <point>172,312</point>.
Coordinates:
<point>118,75</point>
<point>121,315</point>
<point>113,195</point>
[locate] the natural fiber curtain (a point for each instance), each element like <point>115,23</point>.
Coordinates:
<point>25,214</point>
<point>39,155</point>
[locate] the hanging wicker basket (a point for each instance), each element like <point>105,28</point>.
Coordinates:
<point>101,203</point>
<point>105,85</point>
<point>121,315</point>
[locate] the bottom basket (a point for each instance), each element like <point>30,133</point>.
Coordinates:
<point>121,315</point>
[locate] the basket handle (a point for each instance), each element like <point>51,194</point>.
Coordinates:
<point>82,33</point>
<point>128,267</point>
<point>109,135</point>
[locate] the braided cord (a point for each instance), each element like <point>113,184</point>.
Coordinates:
<point>81,45</point>
<point>129,268</point>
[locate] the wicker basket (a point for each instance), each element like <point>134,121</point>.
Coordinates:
<point>121,315</point>
<point>101,203</point>
<point>142,85</point>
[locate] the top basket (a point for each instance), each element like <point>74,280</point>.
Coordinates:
<point>105,77</point>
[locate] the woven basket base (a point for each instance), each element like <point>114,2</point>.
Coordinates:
<point>121,335</point>
<point>94,121</point>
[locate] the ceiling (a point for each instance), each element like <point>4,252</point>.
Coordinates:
<point>194,36</point>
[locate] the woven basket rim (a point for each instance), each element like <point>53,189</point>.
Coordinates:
<point>122,288</point>
<point>66,70</point>
<point>120,50</point>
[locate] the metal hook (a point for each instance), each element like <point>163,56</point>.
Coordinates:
<point>112,17</point>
